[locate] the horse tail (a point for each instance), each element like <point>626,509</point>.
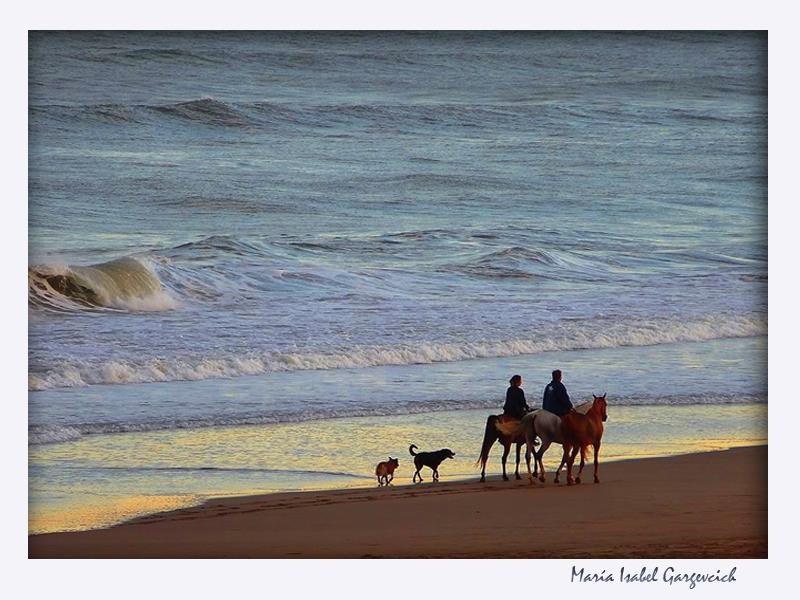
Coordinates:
<point>411,449</point>
<point>489,438</point>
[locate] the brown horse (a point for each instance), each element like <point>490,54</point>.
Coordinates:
<point>581,431</point>
<point>508,431</point>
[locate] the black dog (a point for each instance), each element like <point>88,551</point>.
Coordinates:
<point>429,459</point>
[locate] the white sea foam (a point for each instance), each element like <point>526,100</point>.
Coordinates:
<point>122,284</point>
<point>583,335</point>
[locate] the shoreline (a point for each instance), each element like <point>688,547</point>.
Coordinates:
<point>128,475</point>
<point>699,505</point>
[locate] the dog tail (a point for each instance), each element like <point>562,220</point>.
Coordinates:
<point>489,438</point>
<point>411,450</point>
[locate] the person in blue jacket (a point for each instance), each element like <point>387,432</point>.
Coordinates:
<point>556,399</point>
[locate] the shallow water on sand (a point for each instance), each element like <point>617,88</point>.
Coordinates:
<point>101,480</point>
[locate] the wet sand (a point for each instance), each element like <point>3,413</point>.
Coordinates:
<point>707,505</point>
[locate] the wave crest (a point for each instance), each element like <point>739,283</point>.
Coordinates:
<point>206,110</point>
<point>122,284</point>
<point>578,335</point>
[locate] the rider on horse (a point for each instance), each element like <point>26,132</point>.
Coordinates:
<point>516,406</point>
<point>556,399</point>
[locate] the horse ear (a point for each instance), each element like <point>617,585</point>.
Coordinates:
<point>604,395</point>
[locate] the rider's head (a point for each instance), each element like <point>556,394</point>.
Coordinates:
<point>515,381</point>
<point>557,375</point>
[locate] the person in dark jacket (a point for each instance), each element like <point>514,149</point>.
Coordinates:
<point>516,406</point>
<point>556,399</point>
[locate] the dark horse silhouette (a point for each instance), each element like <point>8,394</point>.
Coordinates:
<point>509,433</point>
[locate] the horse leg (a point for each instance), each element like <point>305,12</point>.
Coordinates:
<point>580,470</point>
<point>570,463</point>
<point>528,455</point>
<point>596,465</point>
<point>528,452</point>
<point>539,456</point>
<point>573,454</point>
<point>506,450</point>
<point>561,465</point>
<point>564,460</point>
<point>516,471</point>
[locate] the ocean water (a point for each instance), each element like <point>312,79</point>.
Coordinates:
<point>238,230</point>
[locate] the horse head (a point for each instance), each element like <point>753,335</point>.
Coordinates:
<point>601,405</point>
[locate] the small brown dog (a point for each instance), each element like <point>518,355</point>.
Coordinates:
<point>385,470</point>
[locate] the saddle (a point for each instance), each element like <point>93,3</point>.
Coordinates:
<point>508,425</point>
<point>504,418</point>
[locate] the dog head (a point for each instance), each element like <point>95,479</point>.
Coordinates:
<point>448,453</point>
<point>393,463</point>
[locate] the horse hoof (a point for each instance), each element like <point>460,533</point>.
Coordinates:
<point>569,482</point>
<point>505,478</point>
<point>541,478</point>
<point>518,477</point>
<point>596,480</point>
<point>577,480</point>
<point>483,479</point>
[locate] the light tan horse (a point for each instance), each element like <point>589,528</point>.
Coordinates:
<point>547,427</point>
<point>581,431</point>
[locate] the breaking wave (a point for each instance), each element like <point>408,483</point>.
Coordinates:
<point>576,335</point>
<point>122,284</point>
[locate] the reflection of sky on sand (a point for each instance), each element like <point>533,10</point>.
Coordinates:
<point>99,480</point>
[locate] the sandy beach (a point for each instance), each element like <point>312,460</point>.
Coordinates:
<point>706,505</point>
